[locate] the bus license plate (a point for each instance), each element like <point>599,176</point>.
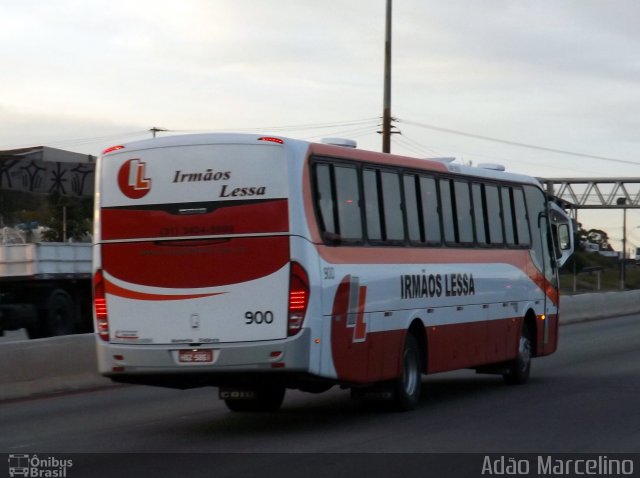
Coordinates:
<point>195,356</point>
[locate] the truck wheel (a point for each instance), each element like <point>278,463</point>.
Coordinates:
<point>519,369</point>
<point>408,385</point>
<point>59,314</point>
<point>267,399</point>
<point>35,331</point>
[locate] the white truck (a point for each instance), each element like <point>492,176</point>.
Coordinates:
<point>46,200</point>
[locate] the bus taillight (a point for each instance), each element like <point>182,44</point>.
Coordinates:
<point>271,139</point>
<point>298,298</point>
<point>100,304</point>
<point>113,148</point>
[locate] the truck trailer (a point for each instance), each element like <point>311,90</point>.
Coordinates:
<point>46,204</point>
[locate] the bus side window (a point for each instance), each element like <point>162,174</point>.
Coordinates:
<point>446,206</point>
<point>494,215</point>
<point>549,256</point>
<point>479,212</point>
<point>412,209</point>
<point>324,198</point>
<point>507,216</point>
<point>541,237</point>
<point>430,210</point>
<point>392,207</point>
<point>522,226</point>
<point>372,204</point>
<point>463,212</point>
<point>348,203</point>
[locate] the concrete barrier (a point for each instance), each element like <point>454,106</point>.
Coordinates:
<point>598,305</point>
<point>42,366</point>
<point>64,364</point>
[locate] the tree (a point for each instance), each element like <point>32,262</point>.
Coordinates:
<point>580,234</point>
<point>599,237</point>
<point>75,212</point>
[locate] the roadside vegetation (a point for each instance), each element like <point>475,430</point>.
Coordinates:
<point>590,271</point>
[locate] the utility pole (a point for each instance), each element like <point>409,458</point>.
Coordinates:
<point>623,264</point>
<point>624,247</point>
<point>386,112</point>
<point>156,130</point>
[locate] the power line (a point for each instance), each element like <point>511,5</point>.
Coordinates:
<point>516,143</point>
<point>87,140</point>
<point>339,124</point>
<point>362,123</point>
<point>298,127</point>
<point>415,146</point>
<point>351,132</point>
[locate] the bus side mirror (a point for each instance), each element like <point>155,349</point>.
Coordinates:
<point>564,239</point>
<point>562,229</point>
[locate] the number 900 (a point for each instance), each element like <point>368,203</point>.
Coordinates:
<point>258,317</point>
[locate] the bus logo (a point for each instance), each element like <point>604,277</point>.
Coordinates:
<point>133,180</point>
<point>349,304</point>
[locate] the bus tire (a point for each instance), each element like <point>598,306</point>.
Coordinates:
<point>519,369</point>
<point>59,314</point>
<point>408,385</point>
<point>268,399</point>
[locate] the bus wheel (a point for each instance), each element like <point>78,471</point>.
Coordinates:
<point>408,385</point>
<point>519,369</point>
<point>267,399</point>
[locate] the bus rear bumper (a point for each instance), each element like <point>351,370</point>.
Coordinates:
<point>125,362</point>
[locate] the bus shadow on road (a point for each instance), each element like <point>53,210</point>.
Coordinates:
<point>303,412</point>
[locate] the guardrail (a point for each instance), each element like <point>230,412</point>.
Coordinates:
<point>64,364</point>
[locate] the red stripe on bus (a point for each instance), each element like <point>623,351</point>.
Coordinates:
<point>219,263</point>
<point>519,258</point>
<point>374,157</point>
<point>350,359</point>
<point>450,347</point>
<point>422,255</point>
<point>241,218</point>
<point>116,290</point>
<point>357,360</point>
<point>471,344</point>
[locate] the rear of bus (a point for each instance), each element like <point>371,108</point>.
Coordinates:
<point>193,279</point>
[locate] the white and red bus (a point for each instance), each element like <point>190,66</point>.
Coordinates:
<point>257,264</point>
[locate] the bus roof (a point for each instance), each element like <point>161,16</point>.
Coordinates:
<point>327,150</point>
<point>197,139</point>
<point>493,174</point>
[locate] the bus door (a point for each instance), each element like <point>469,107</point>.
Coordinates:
<point>544,272</point>
<point>559,230</point>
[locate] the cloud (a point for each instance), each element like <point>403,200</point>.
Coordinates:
<point>562,74</point>
<point>82,134</point>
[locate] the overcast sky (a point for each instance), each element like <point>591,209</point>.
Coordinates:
<point>561,74</point>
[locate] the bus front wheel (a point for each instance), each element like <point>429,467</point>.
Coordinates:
<point>519,369</point>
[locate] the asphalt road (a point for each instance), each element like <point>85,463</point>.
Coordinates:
<point>582,399</point>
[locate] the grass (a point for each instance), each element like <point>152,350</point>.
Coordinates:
<point>586,266</point>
